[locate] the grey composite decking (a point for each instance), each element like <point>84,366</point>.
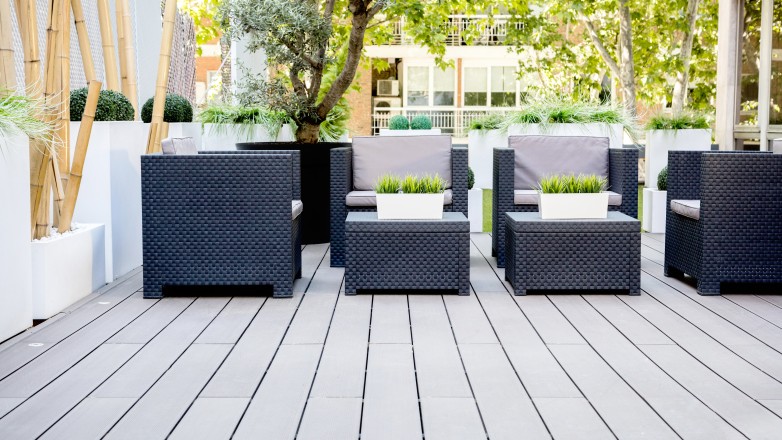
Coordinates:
<point>322,365</point>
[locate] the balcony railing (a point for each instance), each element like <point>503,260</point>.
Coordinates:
<point>475,30</point>
<point>455,122</point>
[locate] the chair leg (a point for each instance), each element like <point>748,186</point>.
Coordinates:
<point>672,272</point>
<point>708,287</point>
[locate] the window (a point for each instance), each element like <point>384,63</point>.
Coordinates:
<point>503,86</point>
<point>444,86</point>
<point>418,85</point>
<point>475,86</point>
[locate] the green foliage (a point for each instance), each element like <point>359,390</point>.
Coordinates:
<point>421,122</point>
<point>398,122</point>
<point>388,184</point>
<point>571,184</point>
<point>662,179</point>
<point>177,109</point>
<point>470,178</point>
<point>203,13</point>
<point>112,106</point>
<point>491,121</point>
<point>678,122</point>
<point>23,115</point>
<point>245,117</point>
<point>547,111</point>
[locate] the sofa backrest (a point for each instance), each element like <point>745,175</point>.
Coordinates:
<point>378,155</point>
<point>537,157</point>
<point>179,146</point>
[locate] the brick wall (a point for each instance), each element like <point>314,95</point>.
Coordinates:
<point>360,123</point>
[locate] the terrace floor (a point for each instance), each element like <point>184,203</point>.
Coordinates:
<point>667,364</point>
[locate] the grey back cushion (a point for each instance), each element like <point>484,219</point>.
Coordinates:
<point>401,155</point>
<point>179,146</point>
<point>537,157</point>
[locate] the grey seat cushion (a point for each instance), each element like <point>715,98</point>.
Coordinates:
<point>530,197</point>
<point>179,146</point>
<point>401,155</point>
<point>296,208</point>
<point>367,198</point>
<point>687,208</point>
<point>537,157</point>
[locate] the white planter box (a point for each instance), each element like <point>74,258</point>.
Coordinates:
<point>410,206</point>
<point>475,209</point>
<point>660,142</point>
<point>224,137</point>
<point>573,206</point>
<point>481,145</point>
<point>614,132</point>
<point>67,268</point>
<point>430,132</point>
<point>16,300</point>
<point>185,129</point>
<point>655,204</point>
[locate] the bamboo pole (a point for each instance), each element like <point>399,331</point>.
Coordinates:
<point>107,40</point>
<point>7,71</point>
<point>64,153</point>
<point>82,142</point>
<point>84,40</point>
<point>130,56</point>
<point>123,70</point>
<point>162,75</point>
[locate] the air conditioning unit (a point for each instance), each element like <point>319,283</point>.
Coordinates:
<point>387,87</point>
<point>384,105</point>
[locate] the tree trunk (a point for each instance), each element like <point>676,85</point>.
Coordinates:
<point>626,51</point>
<point>308,132</point>
<point>680,87</point>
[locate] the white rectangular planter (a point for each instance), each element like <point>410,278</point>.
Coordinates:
<point>614,132</point>
<point>185,129</point>
<point>481,145</point>
<point>660,142</point>
<point>16,300</point>
<point>410,206</point>
<point>430,132</point>
<point>655,204</point>
<point>224,137</point>
<point>475,209</point>
<point>67,268</point>
<point>573,206</point>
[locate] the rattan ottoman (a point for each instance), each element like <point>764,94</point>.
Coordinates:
<point>407,254</point>
<point>591,254</point>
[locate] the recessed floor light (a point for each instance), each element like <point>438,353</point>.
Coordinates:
<point>35,344</point>
<point>103,303</point>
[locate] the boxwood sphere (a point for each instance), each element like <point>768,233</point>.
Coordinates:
<point>398,122</point>
<point>421,122</point>
<point>112,106</point>
<point>178,109</point>
<point>662,180</point>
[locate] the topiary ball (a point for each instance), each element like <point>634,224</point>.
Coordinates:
<point>178,109</point>
<point>421,122</point>
<point>112,106</point>
<point>470,178</point>
<point>662,180</point>
<point>398,122</point>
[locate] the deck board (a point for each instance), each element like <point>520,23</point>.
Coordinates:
<point>666,364</point>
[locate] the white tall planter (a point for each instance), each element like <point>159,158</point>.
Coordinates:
<point>16,301</point>
<point>660,142</point>
<point>224,137</point>
<point>475,209</point>
<point>614,132</point>
<point>67,268</point>
<point>185,129</point>
<point>430,132</point>
<point>481,145</point>
<point>655,203</point>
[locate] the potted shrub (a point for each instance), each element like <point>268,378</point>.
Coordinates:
<point>686,131</point>
<point>110,190</point>
<point>411,198</point>
<point>399,125</point>
<point>474,203</point>
<point>573,197</point>
<point>224,126</point>
<point>560,117</point>
<point>484,135</point>
<point>655,204</point>
<point>178,113</point>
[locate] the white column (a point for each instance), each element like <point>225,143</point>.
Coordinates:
<point>244,62</point>
<point>728,69</point>
<point>764,80</point>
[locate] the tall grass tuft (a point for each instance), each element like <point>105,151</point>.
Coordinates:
<point>388,184</point>
<point>683,121</point>
<point>491,121</point>
<point>223,115</point>
<point>572,184</point>
<point>410,184</point>
<point>20,114</point>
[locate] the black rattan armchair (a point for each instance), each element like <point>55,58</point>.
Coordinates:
<point>724,218</point>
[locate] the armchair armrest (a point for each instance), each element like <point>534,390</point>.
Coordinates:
<point>623,178</point>
<point>295,158</point>
<point>459,168</point>
<point>341,167</point>
<point>502,197</point>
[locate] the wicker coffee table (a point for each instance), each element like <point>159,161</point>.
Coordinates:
<point>590,254</point>
<point>407,254</point>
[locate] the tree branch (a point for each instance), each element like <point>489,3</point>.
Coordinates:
<point>317,74</point>
<point>313,63</point>
<point>609,60</point>
<point>377,7</point>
